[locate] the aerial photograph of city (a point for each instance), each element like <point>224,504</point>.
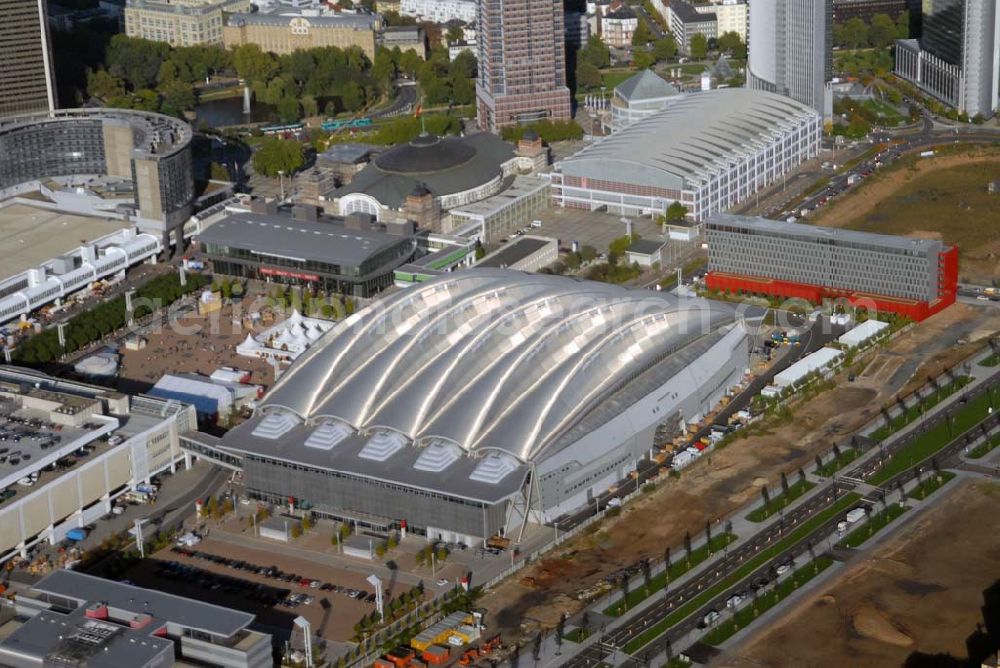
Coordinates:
<point>500,333</point>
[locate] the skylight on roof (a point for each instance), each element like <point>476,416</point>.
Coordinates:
<point>275,425</point>
<point>382,445</point>
<point>438,456</point>
<point>494,468</point>
<point>328,434</point>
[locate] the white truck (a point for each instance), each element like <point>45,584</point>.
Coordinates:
<point>855,515</point>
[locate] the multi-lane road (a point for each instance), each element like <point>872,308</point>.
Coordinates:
<point>614,642</point>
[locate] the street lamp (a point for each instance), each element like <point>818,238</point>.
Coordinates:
<point>375,582</point>
<point>281,183</point>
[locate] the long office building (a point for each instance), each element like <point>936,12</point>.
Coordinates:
<point>957,58</point>
<point>469,404</point>
<point>284,33</point>
<point>845,10</point>
<point>790,44</point>
<point>912,277</point>
<point>27,75</point>
<point>522,63</point>
<point>709,151</point>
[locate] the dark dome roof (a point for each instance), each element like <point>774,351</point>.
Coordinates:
<point>426,153</point>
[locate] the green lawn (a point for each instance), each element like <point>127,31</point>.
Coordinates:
<point>751,611</point>
<point>914,412</point>
<point>748,567</point>
<point>612,78</point>
<point>933,483</point>
<point>992,360</point>
<point>985,448</point>
<point>796,490</point>
<point>679,567</point>
<point>577,635</point>
<point>943,433</point>
<point>847,455</point>
<point>889,114</point>
<point>878,521</point>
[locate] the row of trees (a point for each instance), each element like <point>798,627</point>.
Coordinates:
<point>549,131</point>
<point>878,33</point>
<point>105,318</point>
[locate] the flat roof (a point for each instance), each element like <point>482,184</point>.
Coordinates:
<point>30,235</point>
<point>521,186</point>
<point>514,252</point>
<point>818,233</point>
<point>186,612</point>
<point>327,240</point>
<point>646,246</point>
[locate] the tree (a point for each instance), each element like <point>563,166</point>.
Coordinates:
<point>687,546</point>
<point>536,647</point>
<point>730,42</point>
<point>666,560</point>
<point>642,59</point>
<point>595,52</point>
<point>253,64</point>
<point>708,535</point>
<point>766,496</point>
<point>802,476</point>
<point>560,630</point>
<point>665,48</point>
<point>454,34</point>
<point>588,77</point>
<point>676,212</point>
<point>854,33</point>
<point>903,25</point>
<point>647,574</point>
<point>642,36</point>
<point>103,85</point>
<point>699,46</point>
<point>177,97</point>
<point>276,155</point>
<point>882,31</point>
<point>784,484</point>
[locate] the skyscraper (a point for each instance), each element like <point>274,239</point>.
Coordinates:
<point>957,58</point>
<point>522,63</point>
<point>26,79</point>
<point>790,50</point>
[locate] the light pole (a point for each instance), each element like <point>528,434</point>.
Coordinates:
<point>375,582</point>
<point>281,183</point>
<point>138,538</point>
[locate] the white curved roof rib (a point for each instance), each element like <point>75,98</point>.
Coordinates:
<point>485,361</point>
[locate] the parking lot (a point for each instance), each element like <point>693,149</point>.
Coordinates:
<point>594,228</point>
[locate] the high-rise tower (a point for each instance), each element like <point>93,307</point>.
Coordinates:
<point>957,58</point>
<point>522,63</point>
<point>26,77</point>
<point>790,50</point>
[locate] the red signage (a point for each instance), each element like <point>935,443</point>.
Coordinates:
<point>288,274</point>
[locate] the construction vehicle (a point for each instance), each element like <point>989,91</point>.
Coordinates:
<point>468,657</point>
<point>498,542</point>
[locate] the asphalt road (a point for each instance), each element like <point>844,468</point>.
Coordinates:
<point>618,638</point>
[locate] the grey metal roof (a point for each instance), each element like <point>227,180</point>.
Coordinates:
<point>327,240</point>
<point>446,166</point>
<point>646,85</point>
<point>355,21</point>
<point>488,359</point>
<point>776,228</point>
<point>687,14</point>
<point>646,246</point>
<point>515,251</point>
<point>692,139</point>
<point>185,612</point>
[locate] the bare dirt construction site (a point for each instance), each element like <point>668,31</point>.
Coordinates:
<point>717,485</point>
<point>916,593</point>
<point>943,197</point>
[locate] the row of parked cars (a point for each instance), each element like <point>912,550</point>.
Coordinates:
<point>274,573</point>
